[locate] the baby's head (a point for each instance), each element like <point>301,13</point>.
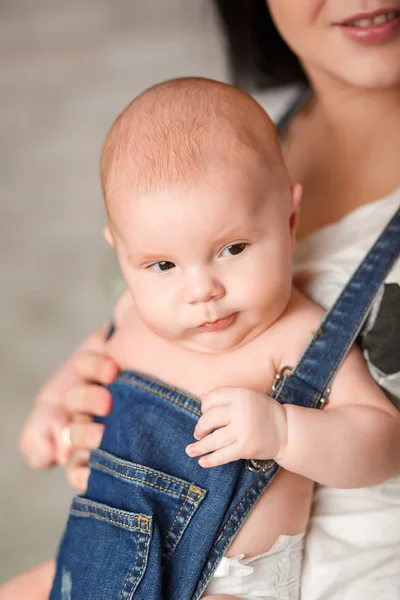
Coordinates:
<point>201,213</point>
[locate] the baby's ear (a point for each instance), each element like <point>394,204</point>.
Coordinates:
<point>108,236</point>
<point>296,191</point>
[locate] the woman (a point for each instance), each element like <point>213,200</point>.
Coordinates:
<point>341,142</point>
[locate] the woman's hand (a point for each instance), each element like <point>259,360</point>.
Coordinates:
<point>83,401</point>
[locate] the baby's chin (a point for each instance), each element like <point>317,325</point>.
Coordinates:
<point>217,342</point>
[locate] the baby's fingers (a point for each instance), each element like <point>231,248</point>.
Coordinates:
<point>217,397</point>
<point>216,417</point>
<point>220,457</point>
<point>215,440</point>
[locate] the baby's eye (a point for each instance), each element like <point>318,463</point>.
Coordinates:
<point>233,249</point>
<point>163,265</point>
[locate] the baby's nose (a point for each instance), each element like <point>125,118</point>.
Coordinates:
<point>203,286</point>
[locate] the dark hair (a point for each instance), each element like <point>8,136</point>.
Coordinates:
<point>259,57</point>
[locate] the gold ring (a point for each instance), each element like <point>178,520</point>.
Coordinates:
<point>66,436</point>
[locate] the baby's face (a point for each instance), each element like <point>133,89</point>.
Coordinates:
<point>209,265</point>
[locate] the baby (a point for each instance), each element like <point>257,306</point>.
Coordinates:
<point>202,217</point>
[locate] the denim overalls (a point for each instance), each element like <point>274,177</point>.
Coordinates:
<point>153,524</point>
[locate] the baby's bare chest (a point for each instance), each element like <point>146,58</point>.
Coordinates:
<point>252,366</point>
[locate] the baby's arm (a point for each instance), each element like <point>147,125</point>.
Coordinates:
<point>353,442</point>
<point>41,440</point>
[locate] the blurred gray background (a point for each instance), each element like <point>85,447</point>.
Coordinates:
<point>66,70</point>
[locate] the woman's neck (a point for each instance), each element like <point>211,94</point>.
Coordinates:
<point>356,114</point>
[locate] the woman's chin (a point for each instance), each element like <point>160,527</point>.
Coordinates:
<point>372,72</point>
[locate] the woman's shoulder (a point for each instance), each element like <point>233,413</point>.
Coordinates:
<point>353,235</point>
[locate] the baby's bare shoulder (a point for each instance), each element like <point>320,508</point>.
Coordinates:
<point>295,328</point>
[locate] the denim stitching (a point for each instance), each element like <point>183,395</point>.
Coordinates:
<point>77,512</point>
<point>130,572</point>
<point>159,474</point>
<point>167,491</point>
<point>144,562</point>
<point>187,498</point>
<point>126,580</point>
<point>137,517</point>
<point>176,537</point>
<point>138,468</point>
<point>165,396</point>
<point>164,384</point>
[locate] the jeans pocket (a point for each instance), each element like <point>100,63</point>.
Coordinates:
<point>170,500</point>
<point>93,532</point>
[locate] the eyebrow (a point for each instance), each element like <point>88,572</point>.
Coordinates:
<point>236,233</point>
<point>144,257</point>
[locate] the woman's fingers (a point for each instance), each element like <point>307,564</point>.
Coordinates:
<point>78,470</point>
<point>38,450</point>
<point>89,399</point>
<point>96,367</point>
<point>84,434</point>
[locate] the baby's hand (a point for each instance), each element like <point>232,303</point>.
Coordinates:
<point>238,423</point>
<point>41,440</point>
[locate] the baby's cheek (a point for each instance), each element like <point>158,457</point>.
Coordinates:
<point>269,295</point>
<point>158,317</point>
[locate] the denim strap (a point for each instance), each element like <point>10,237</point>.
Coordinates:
<point>342,324</point>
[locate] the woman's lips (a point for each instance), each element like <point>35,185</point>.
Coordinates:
<point>218,325</point>
<point>358,30</point>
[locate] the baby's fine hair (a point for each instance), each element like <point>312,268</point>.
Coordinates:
<point>177,130</point>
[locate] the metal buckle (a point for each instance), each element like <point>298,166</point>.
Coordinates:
<point>324,399</point>
<point>255,466</point>
<point>252,464</point>
<point>279,376</point>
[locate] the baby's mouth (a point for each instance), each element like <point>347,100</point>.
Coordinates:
<point>218,324</point>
